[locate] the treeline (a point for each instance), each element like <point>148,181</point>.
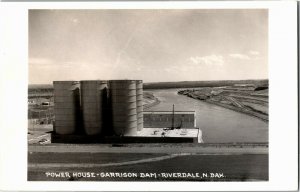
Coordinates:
<point>190,84</point>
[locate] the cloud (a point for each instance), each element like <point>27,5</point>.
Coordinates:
<point>210,60</point>
<point>254,53</point>
<point>239,56</point>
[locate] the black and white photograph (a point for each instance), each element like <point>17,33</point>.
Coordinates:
<point>148,95</point>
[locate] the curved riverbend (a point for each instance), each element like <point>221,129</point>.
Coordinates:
<point>218,124</point>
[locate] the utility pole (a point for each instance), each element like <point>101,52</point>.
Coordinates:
<point>173,117</point>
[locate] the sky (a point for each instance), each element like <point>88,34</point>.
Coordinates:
<point>154,45</point>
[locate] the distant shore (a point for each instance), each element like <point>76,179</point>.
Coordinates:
<point>247,98</point>
<point>191,84</point>
<point>176,84</point>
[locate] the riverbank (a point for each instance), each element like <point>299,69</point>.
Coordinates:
<point>149,100</point>
<point>247,99</point>
<point>251,113</point>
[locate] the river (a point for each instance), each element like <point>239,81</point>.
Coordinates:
<point>218,124</point>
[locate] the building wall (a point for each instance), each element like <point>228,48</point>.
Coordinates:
<point>157,120</point>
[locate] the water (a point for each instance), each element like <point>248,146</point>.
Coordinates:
<point>218,124</point>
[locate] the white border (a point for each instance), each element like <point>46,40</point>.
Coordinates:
<point>283,99</point>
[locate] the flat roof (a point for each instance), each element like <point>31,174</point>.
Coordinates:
<point>169,112</point>
<point>160,132</point>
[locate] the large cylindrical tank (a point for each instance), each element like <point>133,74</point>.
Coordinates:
<point>66,106</point>
<point>123,107</point>
<point>139,104</point>
<point>93,103</point>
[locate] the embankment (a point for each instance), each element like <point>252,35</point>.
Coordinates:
<point>150,100</point>
<point>252,113</point>
<point>246,99</point>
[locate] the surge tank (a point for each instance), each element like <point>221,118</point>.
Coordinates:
<point>139,103</point>
<point>66,106</point>
<point>93,102</point>
<point>123,107</point>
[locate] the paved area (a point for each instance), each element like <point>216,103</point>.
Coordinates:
<point>147,148</point>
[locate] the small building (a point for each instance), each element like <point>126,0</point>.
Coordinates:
<point>173,126</point>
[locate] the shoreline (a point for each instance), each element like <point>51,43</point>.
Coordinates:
<point>148,96</point>
<point>230,107</point>
<point>155,102</point>
<point>250,113</point>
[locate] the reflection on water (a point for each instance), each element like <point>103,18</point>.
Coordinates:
<point>218,124</point>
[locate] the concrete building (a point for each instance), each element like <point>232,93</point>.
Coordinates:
<point>163,119</point>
